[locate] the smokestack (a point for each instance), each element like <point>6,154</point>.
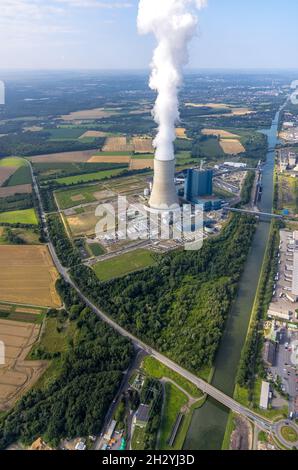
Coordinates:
<point>173,23</point>
<point>164,195</point>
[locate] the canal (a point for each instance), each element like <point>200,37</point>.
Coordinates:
<point>208,424</point>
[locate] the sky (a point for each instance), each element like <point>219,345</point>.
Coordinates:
<point>102,34</point>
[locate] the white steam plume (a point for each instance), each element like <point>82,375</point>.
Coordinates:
<point>174,23</point>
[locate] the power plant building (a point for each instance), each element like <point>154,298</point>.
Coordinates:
<point>198,183</point>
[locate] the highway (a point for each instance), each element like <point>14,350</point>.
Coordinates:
<point>205,387</point>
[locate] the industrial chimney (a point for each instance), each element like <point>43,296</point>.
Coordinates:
<point>164,195</point>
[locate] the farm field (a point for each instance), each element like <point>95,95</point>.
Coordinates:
<point>117,144</point>
<point>20,177</point>
<point>20,313</point>
<point>28,277</point>
<point>231,146</point>
<point>141,163</point>
<point>12,190</point>
<point>210,148</point>
<point>143,144</point>
<point>86,178</point>
<point>81,156</point>
<point>83,223</point>
<point>220,133</point>
<point>92,135</point>
<point>181,133</point>
<point>5,173</point>
<point>88,114</point>
<point>108,158</point>
<point>18,375</point>
<point>233,110</point>
<point>27,217</point>
<point>123,264</point>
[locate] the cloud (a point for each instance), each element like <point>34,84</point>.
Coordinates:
<point>95,4</point>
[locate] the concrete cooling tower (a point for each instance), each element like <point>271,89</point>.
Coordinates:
<point>164,195</point>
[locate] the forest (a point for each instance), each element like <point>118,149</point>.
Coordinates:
<point>179,306</point>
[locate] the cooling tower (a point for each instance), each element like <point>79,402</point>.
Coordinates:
<point>164,195</point>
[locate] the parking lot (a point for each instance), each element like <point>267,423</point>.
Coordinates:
<point>286,363</point>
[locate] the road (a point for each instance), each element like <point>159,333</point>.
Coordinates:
<point>205,387</point>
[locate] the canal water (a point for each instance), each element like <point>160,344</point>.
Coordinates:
<point>208,424</point>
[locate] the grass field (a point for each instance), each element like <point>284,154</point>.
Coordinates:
<point>21,176</point>
<point>16,162</point>
<point>123,264</point>
<point>28,276</point>
<point>75,197</point>
<point>27,216</point>
<point>96,249</point>
<point>175,400</point>
<point>62,134</point>
<point>289,434</point>
<point>211,148</point>
<point>138,438</point>
<point>85,178</point>
<point>157,370</point>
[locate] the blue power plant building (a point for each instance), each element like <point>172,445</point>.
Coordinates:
<point>198,183</point>
<point>199,189</point>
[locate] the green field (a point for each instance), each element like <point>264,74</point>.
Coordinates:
<point>289,434</point>
<point>96,249</point>
<point>210,148</point>
<point>123,264</point>
<point>66,198</point>
<point>174,401</point>
<point>109,154</point>
<point>85,178</point>
<point>13,161</point>
<point>27,217</point>
<point>138,438</point>
<point>21,176</point>
<point>157,370</point>
<point>62,133</point>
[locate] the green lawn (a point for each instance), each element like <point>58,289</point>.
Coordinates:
<point>174,401</point>
<point>123,264</point>
<point>27,217</point>
<point>289,434</point>
<point>85,178</point>
<point>157,370</point>
<point>138,437</point>
<point>52,340</point>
